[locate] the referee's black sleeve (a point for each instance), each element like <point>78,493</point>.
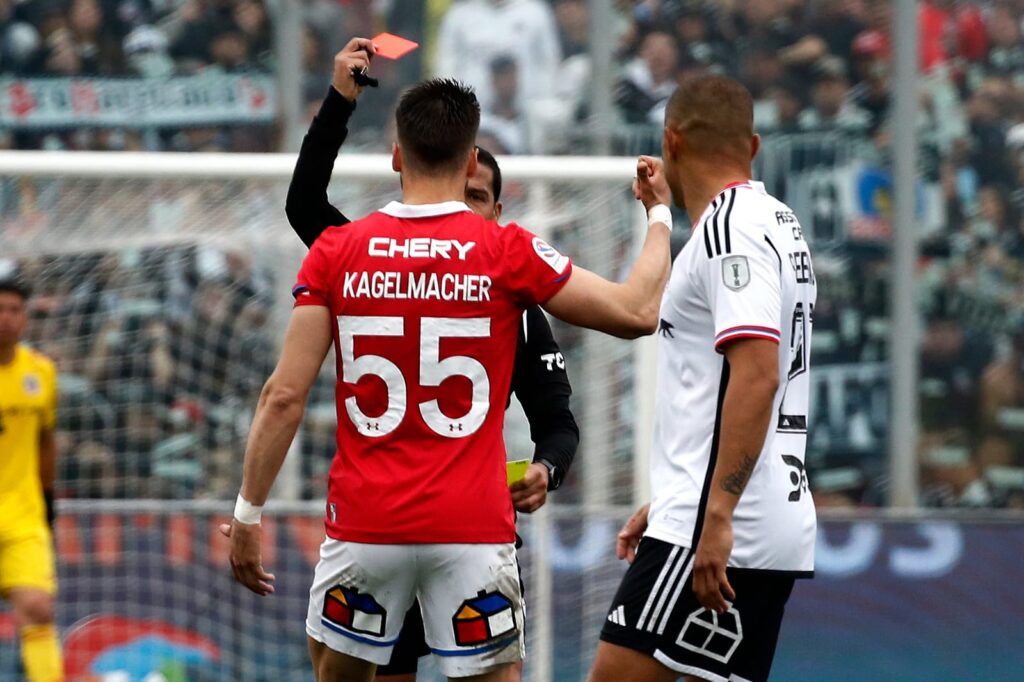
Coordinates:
<point>541,385</point>
<point>308,210</point>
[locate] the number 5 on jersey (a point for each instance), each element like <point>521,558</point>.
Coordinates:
<point>432,369</point>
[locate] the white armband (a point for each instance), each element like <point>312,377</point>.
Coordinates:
<point>247,513</point>
<point>660,213</point>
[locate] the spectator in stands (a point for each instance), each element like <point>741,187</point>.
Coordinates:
<point>97,47</point>
<point>872,68</point>
<point>502,118</point>
<point>19,40</point>
<point>649,79</point>
<point>251,18</point>
<point>831,109</point>
<point>474,32</point>
<point>573,27</point>
<point>228,48</point>
<point>697,42</point>
<point>988,135</point>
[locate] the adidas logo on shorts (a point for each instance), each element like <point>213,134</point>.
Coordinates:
<point>618,615</point>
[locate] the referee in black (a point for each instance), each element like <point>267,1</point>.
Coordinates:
<point>539,379</point>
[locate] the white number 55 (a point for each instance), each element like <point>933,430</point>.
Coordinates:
<point>432,369</point>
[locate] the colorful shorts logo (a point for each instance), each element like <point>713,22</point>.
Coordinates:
<point>483,618</point>
<point>346,607</point>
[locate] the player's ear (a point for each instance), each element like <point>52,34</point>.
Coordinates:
<point>396,158</point>
<point>670,143</point>
<point>497,211</point>
<point>755,145</point>
<point>473,163</point>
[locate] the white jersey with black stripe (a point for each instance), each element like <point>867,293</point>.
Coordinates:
<point>745,272</point>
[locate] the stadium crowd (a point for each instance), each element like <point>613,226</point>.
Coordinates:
<point>821,75</point>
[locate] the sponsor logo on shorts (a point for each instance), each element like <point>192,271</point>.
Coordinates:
<point>345,606</point>
<point>31,385</point>
<point>485,617</point>
<point>710,634</point>
<point>550,255</point>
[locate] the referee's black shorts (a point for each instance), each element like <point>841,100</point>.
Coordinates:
<point>655,611</point>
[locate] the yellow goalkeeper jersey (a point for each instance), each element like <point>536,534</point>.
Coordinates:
<point>28,403</point>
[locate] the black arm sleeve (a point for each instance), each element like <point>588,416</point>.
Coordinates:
<point>541,385</point>
<point>308,210</point>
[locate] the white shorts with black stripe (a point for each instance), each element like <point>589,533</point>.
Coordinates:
<point>469,595</point>
<point>655,611</point>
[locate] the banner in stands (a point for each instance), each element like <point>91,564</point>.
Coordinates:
<point>181,101</point>
<point>150,597</point>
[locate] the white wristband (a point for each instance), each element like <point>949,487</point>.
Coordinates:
<point>660,213</point>
<point>247,513</point>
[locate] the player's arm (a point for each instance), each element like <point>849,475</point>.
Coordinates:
<point>48,469</point>
<point>48,446</point>
<point>628,309</point>
<point>308,209</point>
<point>541,384</point>
<point>746,414</point>
<point>743,285</point>
<point>278,414</point>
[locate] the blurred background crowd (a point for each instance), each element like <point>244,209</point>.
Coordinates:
<point>821,75</point>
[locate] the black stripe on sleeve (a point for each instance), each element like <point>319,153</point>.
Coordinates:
<point>775,250</point>
<point>707,238</point>
<point>712,456</point>
<point>715,206</point>
<point>725,226</point>
<point>714,226</point>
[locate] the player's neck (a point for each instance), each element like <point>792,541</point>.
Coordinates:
<point>7,354</point>
<point>702,184</point>
<point>424,190</point>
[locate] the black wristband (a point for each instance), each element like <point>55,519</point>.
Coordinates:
<point>51,512</point>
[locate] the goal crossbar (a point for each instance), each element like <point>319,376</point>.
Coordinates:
<point>156,165</point>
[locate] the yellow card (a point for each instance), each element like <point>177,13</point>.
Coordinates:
<point>516,470</point>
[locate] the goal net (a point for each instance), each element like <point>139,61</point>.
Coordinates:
<point>161,289</point>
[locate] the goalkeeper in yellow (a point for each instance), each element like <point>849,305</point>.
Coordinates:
<point>28,412</point>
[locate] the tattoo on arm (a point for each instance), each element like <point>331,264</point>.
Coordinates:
<point>735,482</point>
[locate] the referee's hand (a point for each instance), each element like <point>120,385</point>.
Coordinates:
<point>246,558</point>
<point>631,534</point>
<point>354,56</point>
<point>530,494</point>
<point>710,582</point>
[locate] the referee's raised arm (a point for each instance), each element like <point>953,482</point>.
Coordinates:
<point>307,207</point>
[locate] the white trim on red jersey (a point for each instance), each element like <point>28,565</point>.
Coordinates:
<point>396,209</point>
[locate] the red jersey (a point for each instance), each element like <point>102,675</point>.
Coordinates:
<point>428,300</point>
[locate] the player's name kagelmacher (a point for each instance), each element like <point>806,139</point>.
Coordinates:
<point>417,286</point>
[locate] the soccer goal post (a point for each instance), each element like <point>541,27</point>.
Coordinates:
<point>162,285</point>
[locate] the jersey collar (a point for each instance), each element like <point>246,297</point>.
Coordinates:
<point>397,209</point>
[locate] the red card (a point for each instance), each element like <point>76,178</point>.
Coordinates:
<point>391,46</point>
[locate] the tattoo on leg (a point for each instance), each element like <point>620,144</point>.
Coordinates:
<point>735,482</point>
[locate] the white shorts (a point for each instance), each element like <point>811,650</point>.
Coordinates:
<point>470,596</point>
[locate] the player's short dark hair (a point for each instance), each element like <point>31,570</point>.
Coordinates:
<point>716,113</point>
<point>437,124</point>
<point>486,158</point>
<point>13,285</point>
